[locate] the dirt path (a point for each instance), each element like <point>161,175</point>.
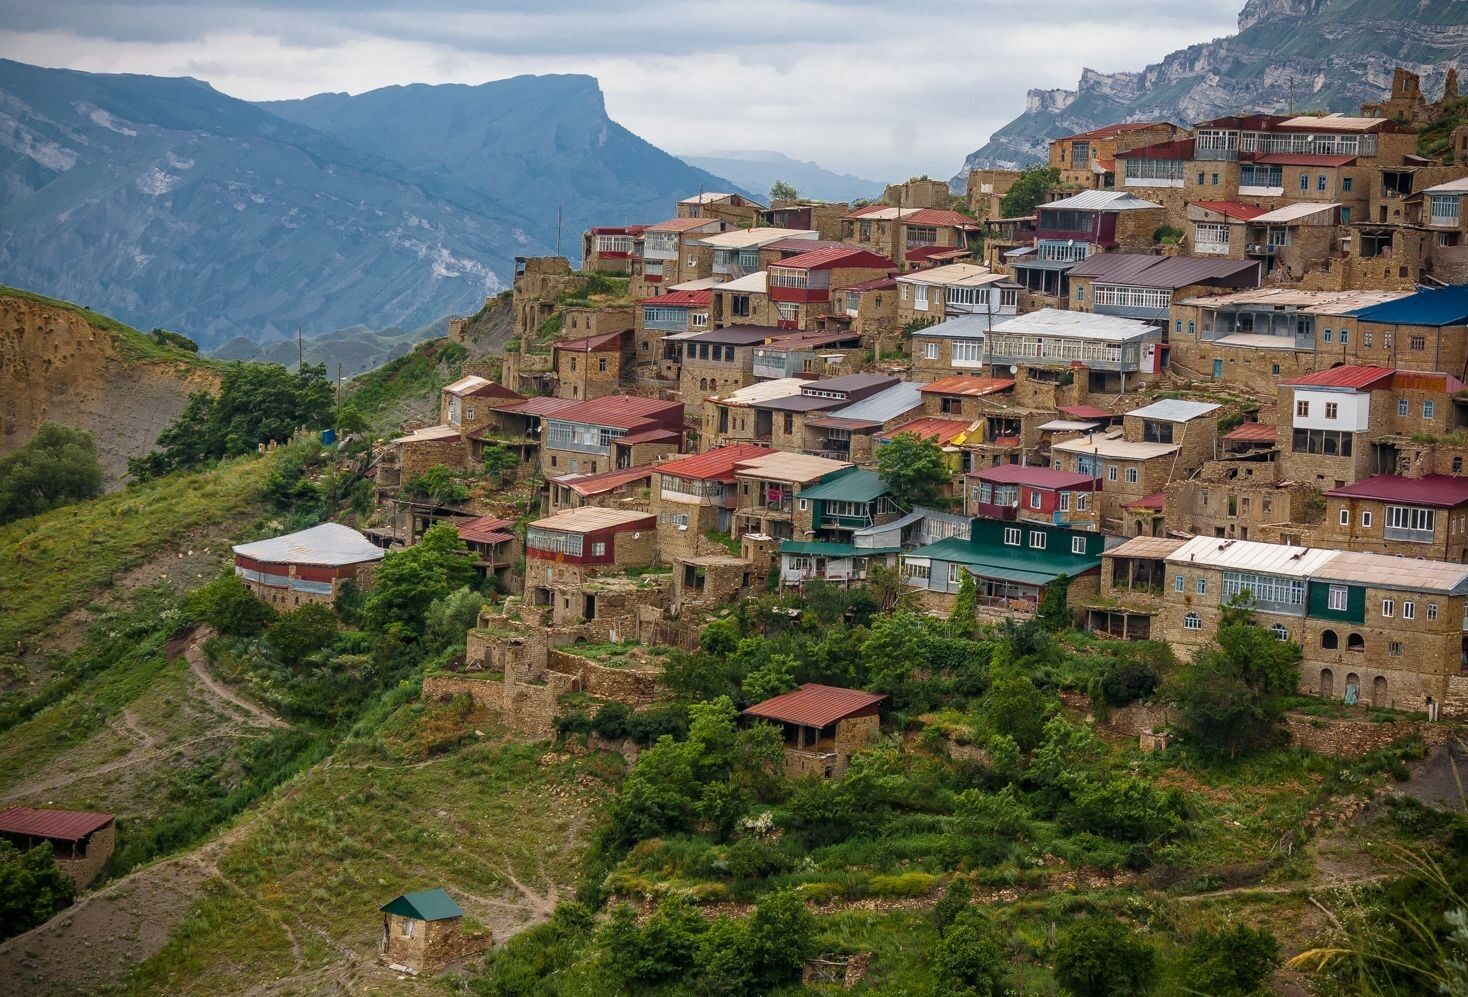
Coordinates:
<point>194,654</point>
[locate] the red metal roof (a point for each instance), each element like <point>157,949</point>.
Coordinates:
<point>1085,412</point>
<point>681,299</point>
<point>1251,432</point>
<point>1303,159</point>
<point>618,229</point>
<point>486,530</point>
<point>619,411</point>
<point>592,344</point>
<point>963,384</point>
<point>1426,380</point>
<point>875,284</point>
<point>1154,501</point>
<point>606,481</point>
<point>536,406</point>
<point>940,431</point>
<point>935,253</point>
<point>1442,490</point>
<point>1110,131</point>
<point>793,245</point>
<point>62,825</point>
<point>714,465</point>
<point>1356,377</point>
<point>1035,477</point>
<point>1179,149</point>
<point>649,436</point>
<point>815,705</point>
<point>1230,209</point>
<point>832,256</point>
<point>940,216</point>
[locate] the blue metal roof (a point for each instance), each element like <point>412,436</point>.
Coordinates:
<point>1437,307</point>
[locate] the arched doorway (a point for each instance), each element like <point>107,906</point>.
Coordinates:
<point>1378,691</point>
<point>1327,682</point>
<point>1353,688</point>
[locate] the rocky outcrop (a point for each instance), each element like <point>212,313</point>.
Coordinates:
<point>1301,54</point>
<point>58,363</point>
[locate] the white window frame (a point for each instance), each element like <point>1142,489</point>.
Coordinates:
<point>1388,608</point>
<point>1337,597</point>
<point>1077,545</point>
<point>1179,584</point>
<point>1409,609</point>
<point>1038,539</point>
<point>1192,621</point>
<point>1013,536</point>
<point>1200,585</point>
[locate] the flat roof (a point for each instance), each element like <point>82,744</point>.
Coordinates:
<point>731,335</point>
<point>1438,307</point>
<point>61,825</point>
<point>795,468</point>
<point>1251,555</point>
<point>1292,212</point>
<point>1115,446</point>
<point>429,433</point>
<point>589,518</point>
<point>941,431</point>
<point>748,238</point>
<point>815,705</point>
<point>330,545</point>
<point>883,406</point>
<point>1310,302</point>
<point>1077,325</point>
<point>1067,426</point>
<point>968,385</point>
<point>713,465</point>
<point>1172,272</point>
<point>953,275</point>
<point>752,283</point>
<point>1412,574</point>
<point>762,391</point>
<point>1175,410</point>
<point>1037,477</point>
<point>606,481</point>
<point>1151,547</point>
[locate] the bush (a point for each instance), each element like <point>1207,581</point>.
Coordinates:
<point>449,617</point>
<point>55,467</point>
<point>32,889</point>
<point>970,959</point>
<point>955,900</point>
<point>1100,957</point>
<point>611,721</point>
<point>1016,708</point>
<point>1128,680</point>
<point>1232,962</point>
<point>230,607</point>
<point>751,858</point>
<point>903,884</point>
<point>297,635</point>
<point>408,581</point>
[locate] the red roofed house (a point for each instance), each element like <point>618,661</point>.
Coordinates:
<point>466,408</point>
<point>672,252</point>
<point>1412,517</point>
<point>594,366</point>
<point>1087,159</point>
<point>563,551</point>
<point>606,433</point>
<point>824,725</point>
<point>609,248</point>
<point>494,547</point>
<point>1218,229</point>
<point>695,495</point>
<point>624,488</point>
<point>908,235</point>
<point>81,842</point>
<point>803,287</point>
<point>1034,495</point>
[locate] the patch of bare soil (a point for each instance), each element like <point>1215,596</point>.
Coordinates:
<point>1441,779</point>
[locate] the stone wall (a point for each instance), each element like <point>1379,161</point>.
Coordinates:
<point>624,685</point>
<point>83,870</point>
<point>415,458</point>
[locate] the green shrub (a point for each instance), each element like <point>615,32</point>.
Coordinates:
<point>970,958</point>
<point>56,466</point>
<point>32,889</point>
<point>903,884</point>
<point>1100,957</point>
<point>230,607</point>
<point>1231,962</point>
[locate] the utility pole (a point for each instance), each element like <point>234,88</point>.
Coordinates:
<point>558,230</point>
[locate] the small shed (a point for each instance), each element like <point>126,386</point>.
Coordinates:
<point>423,932</point>
<point>81,841</point>
<point>824,726</point>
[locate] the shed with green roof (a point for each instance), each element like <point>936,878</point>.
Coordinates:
<point>423,932</point>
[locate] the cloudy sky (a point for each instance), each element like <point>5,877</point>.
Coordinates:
<point>879,88</point>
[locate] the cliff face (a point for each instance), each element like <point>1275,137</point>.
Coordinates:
<point>1309,54</point>
<point>60,363</point>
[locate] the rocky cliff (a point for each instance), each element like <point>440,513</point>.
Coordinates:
<point>1306,54</point>
<point>75,367</point>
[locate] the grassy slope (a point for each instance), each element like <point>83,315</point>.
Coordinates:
<point>54,563</point>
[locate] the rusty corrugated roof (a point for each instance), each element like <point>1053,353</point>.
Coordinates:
<point>713,465</point>
<point>63,825</point>
<point>815,705</point>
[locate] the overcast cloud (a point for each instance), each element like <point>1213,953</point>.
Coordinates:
<point>882,89</point>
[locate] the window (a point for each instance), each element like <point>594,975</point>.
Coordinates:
<point>1304,181</point>
<point>1280,633</point>
<point>1326,336</point>
<point>1215,179</point>
<point>1208,234</point>
<point>1336,598</point>
<point>1192,328</point>
<point>601,364</point>
<point>930,351</point>
<point>1134,297</point>
<point>1200,585</point>
<point>1274,370</point>
<point>1320,182</point>
<point>739,306</point>
<point>1192,622</point>
<point>692,261</point>
<point>1366,340</point>
<point>1080,292</point>
<point>1403,406</point>
<point>1347,183</point>
<point>1131,475</point>
<point>1178,583</point>
<point>1200,178</point>
<point>1329,641</point>
<point>1345,517</point>
<point>1008,297</point>
<point>1034,500</point>
<point>598,549</point>
<point>1409,610</point>
<point>1083,502</point>
<point>1417,343</point>
<point>1110,472</point>
<point>1037,539</point>
<point>1332,410</point>
<point>1345,336</point>
<point>1012,536</point>
<point>1429,409</point>
<point>1411,518</point>
<point>1077,545</point>
<point>407,928</point>
<point>1302,410</point>
<point>920,297</point>
<point>1388,607</point>
<point>1366,517</point>
<point>1394,648</point>
<point>1432,610</point>
<point>805,505</point>
<point>1267,590</point>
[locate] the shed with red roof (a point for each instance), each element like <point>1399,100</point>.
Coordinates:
<point>81,841</point>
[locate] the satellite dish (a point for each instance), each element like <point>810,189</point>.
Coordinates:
<point>637,536</point>
<point>1014,368</point>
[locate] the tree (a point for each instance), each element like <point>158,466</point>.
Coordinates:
<point>970,959</point>
<point>230,607</point>
<point>1015,707</point>
<point>1231,962</point>
<point>1100,957</point>
<point>1028,190</point>
<point>32,889</point>
<point>955,900</point>
<point>779,939</point>
<point>914,469</point>
<point>499,461</point>
<point>782,191</point>
<point>298,635</point>
<point>1054,612</point>
<point>771,679</point>
<point>56,466</point>
<point>449,617</point>
<point>440,483</point>
<point>408,581</point>
<point>961,621</point>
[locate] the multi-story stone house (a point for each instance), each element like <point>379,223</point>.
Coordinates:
<point>1423,331</point>
<point>624,488</point>
<point>894,232</point>
<point>957,289</point>
<point>850,432</point>
<point>767,488</point>
<point>517,425</point>
<point>1192,426</point>
<point>986,190</point>
<point>308,566</point>
<point>716,361</point>
<point>580,321</point>
<point>1254,339</point>
<point>1372,628</point>
<point>539,284</point>
<point>1387,514</point>
<point>868,309</point>
<point>494,549</point>
<point>1346,423</point>
<point>672,252</point>
<point>1114,355</point>
<point>593,367</point>
<point>1031,494</point>
<point>666,315</point>
<point>1143,287</point>
<point>960,396</point>
<point>809,354</point>
<point>737,253</point>
<point>609,433</point>
<point>1132,470</point>
<point>1440,209</point>
<point>846,503</point>
<point>1236,498</point>
<point>806,287</point>
<point>693,496</point>
<point>1263,156</point>
<point>735,418</point>
<point>735,210</point>
<point>1218,227</point>
<point>936,351</point>
<point>467,408</point>
<point>1073,228</point>
<point>788,414</point>
<point>744,301</point>
<point>564,552</point>
<point>610,248</point>
<point>823,216</point>
<point>1088,159</point>
<point>1292,240</point>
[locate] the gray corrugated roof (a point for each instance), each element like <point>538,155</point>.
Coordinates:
<point>961,327</point>
<point>884,405</point>
<point>1139,270</point>
<point>1175,410</point>
<point>329,544</point>
<point>1100,200</point>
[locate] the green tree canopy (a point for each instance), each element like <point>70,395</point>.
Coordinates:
<point>32,889</point>
<point>782,191</point>
<point>914,469</point>
<point>408,581</point>
<point>970,959</point>
<point>1230,962</point>
<point>56,466</point>
<point>230,607</point>
<point>1100,957</point>
<point>297,635</point>
<point>1028,190</point>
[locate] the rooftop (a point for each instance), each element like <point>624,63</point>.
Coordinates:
<point>590,518</point>
<point>1230,209</point>
<point>608,342</point>
<point>1111,131</point>
<point>1439,307</point>
<point>538,406</point>
<point>1251,555</point>
<point>1037,477</point>
<point>329,544</point>
<point>940,431</point>
<point>61,825</point>
<point>1292,213</point>
<point>617,411</point>
<point>1175,410</point>
<point>731,335</point>
<point>1156,501</point>
<point>1100,200</point>
<point>425,905</point>
<point>1116,447</point>
<point>1025,565</point>
<point>1154,547</point>
<point>1412,574</point>
<point>815,705</point>
<point>763,391</point>
<point>1251,432</point>
<point>685,225</point>
<point>856,485</point>
<point>1357,377</point>
<point>1442,491</point>
<point>968,385</point>
<point>752,283</point>
<point>429,433</point>
<point>606,481</point>
<point>681,299</point>
<point>954,275</point>
<point>474,386</point>
<point>883,406</point>
<point>713,465</point>
<point>1174,272</point>
<point>824,548</point>
<point>749,238</point>
<point>1077,325</point>
<point>794,468</point>
<point>486,530</point>
<point>833,256</point>
<point>1310,302</point>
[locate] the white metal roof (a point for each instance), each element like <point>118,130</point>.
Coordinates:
<point>1334,122</point>
<point>795,468</point>
<point>754,283</point>
<point>1077,325</point>
<point>1311,302</point>
<point>953,275</point>
<point>887,404</point>
<point>429,433</point>
<point>1257,341</point>
<point>1067,426</point>
<point>748,238</point>
<point>1292,212</point>
<point>1101,200</point>
<point>884,214</point>
<point>1175,410</point>
<point>701,284</point>
<point>588,518</point>
<point>1457,186</point>
<point>1115,447</point>
<point>706,198</point>
<point>1250,555</point>
<point>328,544</point>
<point>763,391</point>
<point>464,385</point>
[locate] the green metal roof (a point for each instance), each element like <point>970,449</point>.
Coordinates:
<point>425,905</point>
<point>822,549</point>
<point>1011,564</point>
<point>855,485</point>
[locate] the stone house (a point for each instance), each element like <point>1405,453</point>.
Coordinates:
<point>1132,470</point>
<point>717,360</point>
<point>1192,426</point>
<point>1423,516</point>
<point>623,488</point>
<point>868,309</point>
<point>468,410</point>
<point>918,192</point>
<point>593,367</point>
<point>1133,575</point>
<point>767,487</point>
<point>1439,209</point>
<point>1088,159</point>
<point>735,418</point>
<point>1030,494</point>
<point>937,351</point>
<point>1423,331</point>
<point>788,413</point>
<point>1294,239</point>
<point>986,189</point>
<point>946,433</point>
<point>907,234</point>
<point>967,289</point>
<point>833,561</point>
<point>850,432</point>
<point>961,396</point>
<point>823,216</point>
<point>737,253</point>
<point>669,314</point>
<point>610,248</point>
<point>1073,228</point>
<point>307,566</point>
<point>743,301</point>
<point>563,551</point>
<point>1406,101</point>
<point>1243,499</point>
<point>734,210</point>
<point>823,726</point>
<point>517,425</point>
<point>494,549</point>
<point>81,841</point>
<point>1143,287</point>
<point>672,252</point>
<point>809,354</point>
<point>423,932</point>
<point>846,503</point>
<point>713,580</point>
<point>1218,228</point>
<point>580,321</point>
<point>696,495</point>
<point>804,287</point>
<point>1104,353</point>
<point>609,433</point>
<point>539,284</point>
<point>466,405</point>
<point>1372,628</point>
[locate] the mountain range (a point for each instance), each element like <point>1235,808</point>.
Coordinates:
<point>1302,54</point>
<point>168,203</point>
<point>757,169</point>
